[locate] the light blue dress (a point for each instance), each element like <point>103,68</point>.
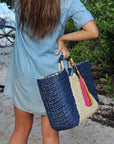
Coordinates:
<point>33,59</point>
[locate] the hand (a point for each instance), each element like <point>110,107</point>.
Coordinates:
<point>62,48</point>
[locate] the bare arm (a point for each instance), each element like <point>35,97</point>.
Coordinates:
<point>88,31</point>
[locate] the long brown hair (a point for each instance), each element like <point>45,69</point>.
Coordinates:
<point>40,16</point>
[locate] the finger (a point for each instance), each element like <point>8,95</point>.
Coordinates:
<point>57,52</point>
<point>66,55</point>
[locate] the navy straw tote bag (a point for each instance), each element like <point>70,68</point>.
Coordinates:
<point>58,100</point>
<point>62,95</point>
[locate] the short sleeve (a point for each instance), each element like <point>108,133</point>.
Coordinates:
<point>79,14</point>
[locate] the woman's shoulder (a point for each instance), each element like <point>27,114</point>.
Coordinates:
<point>66,3</point>
<point>70,4</point>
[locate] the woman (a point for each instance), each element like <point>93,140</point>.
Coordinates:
<point>39,42</point>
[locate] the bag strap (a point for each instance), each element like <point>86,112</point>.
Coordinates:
<point>70,61</point>
<point>73,63</point>
<point>61,65</point>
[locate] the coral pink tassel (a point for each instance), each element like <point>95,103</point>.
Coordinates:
<point>84,92</point>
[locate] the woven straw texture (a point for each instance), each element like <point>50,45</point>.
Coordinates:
<point>59,101</point>
<point>84,111</point>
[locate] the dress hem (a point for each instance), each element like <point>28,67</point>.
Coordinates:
<point>28,111</point>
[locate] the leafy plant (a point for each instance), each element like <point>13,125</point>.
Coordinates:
<point>109,87</point>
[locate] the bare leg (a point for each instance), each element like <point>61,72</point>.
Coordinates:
<point>23,125</point>
<point>49,135</point>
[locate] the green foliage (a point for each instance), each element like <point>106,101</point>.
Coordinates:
<point>103,12</point>
<point>81,53</point>
<point>70,27</point>
<point>109,87</point>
